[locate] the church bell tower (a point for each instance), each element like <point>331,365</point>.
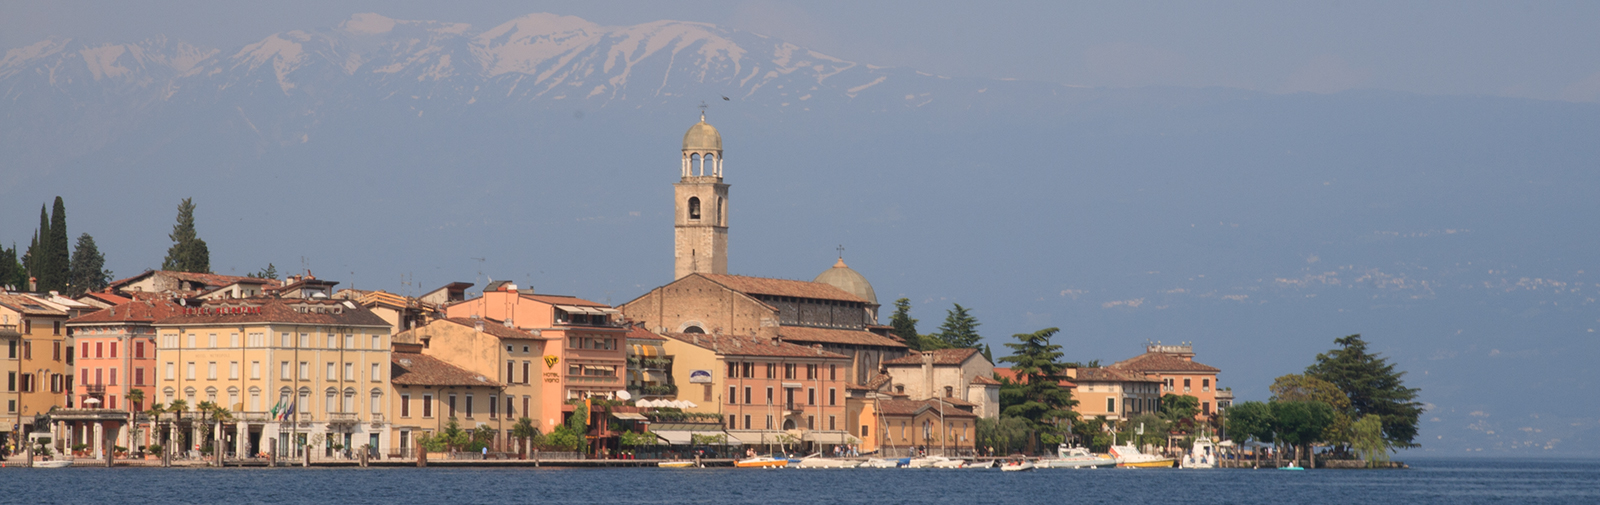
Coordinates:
<point>701,221</point>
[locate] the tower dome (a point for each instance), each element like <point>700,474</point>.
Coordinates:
<point>843,277</point>
<point>702,137</point>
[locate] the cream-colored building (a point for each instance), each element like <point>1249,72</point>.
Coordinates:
<point>328,360</point>
<point>1114,394</point>
<point>512,358</point>
<point>961,375</point>
<point>428,392</point>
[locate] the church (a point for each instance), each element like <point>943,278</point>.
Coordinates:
<point>835,312</point>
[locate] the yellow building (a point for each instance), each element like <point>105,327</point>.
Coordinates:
<point>36,359</point>
<point>1114,394</point>
<point>513,358</point>
<point>328,360</point>
<point>428,391</point>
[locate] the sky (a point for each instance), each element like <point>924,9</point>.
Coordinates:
<point>1540,50</point>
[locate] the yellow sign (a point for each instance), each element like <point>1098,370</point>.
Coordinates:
<point>550,361</point>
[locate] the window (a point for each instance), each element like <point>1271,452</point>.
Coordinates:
<point>694,211</point>
<point>138,376</point>
<point>305,370</point>
<point>233,341</point>
<point>747,422</point>
<point>405,405</point>
<point>333,341</point>
<point>811,396</point>
<point>377,342</point>
<point>27,350</point>
<point>211,340</point>
<point>949,391</point>
<point>211,370</point>
<point>769,421</point>
<point>332,374</point>
<point>83,376</point>
<point>305,340</point>
<point>525,400</point>
<point>747,397</point>
<point>99,350</point>
<point>377,402</point>
<point>511,372</point>
<point>833,398</point>
<point>375,376</point>
<point>733,370</point>
<point>11,382</point>
<point>811,371</point>
<point>811,422</point>
<point>233,370</point>
<point>788,370</point>
<point>349,341</point>
<point>98,377</point>
<point>191,371</point>
<point>1185,384</point>
<point>255,400</point>
<point>494,407</point>
<point>452,404</point>
<point>113,349</point>
<point>57,329</point>
<point>831,423</point>
<point>526,365</point>
<point>833,372</point>
<point>1205,408</point>
<point>284,371</point>
<point>749,370</point>
<point>191,341</point>
<point>170,373</point>
<point>1111,404</point>
<point>328,405</point>
<point>733,395</point>
<point>731,423</point>
<point>772,370</point>
<point>138,349</point>
<point>255,339</point>
<point>427,405</point>
<point>769,399</point>
<point>469,406</point>
<point>1205,384</point>
<point>255,369</point>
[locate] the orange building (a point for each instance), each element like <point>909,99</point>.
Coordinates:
<point>116,353</point>
<point>37,357</point>
<point>584,341</point>
<point>1177,371</point>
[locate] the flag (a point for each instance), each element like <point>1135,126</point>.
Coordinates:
<point>288,412</point>
<point>275,408</point>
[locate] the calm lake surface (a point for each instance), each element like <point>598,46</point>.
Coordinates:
<point>1449,481</point>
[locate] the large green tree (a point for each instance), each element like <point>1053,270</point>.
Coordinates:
<point>1301,424</point>
<point>960,329</point>
<point>60,254</point>
<point>1251,421</point>
<point>904,325</point>
<point>1037,396</point>
<point>1304,388</point>
<point>88,268</point>
<point>188,252</point>
<point>1373,386</point>
<point>1179,409</point>
<point>12,273</point>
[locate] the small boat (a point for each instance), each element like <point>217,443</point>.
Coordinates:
<point>1202,455</point>
<point>985,464</point>
<point>953,463</point>
<point>54,463</point>
<point>1293,466</point>
<point>675,464</point>
<point>1076,457</point>
<point>885,463</point>
<point>926,461</point>
<point>1129,456</point>
<point>761,462</point>
<point>1020,465</point>
<point>817,461</point>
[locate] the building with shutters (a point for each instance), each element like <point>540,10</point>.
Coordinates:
<point>116,354</point>
<point>511,357</point>
<point>428,392</point>
<point>38,355</point>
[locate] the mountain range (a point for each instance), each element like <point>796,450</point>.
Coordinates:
<point>401,155</point>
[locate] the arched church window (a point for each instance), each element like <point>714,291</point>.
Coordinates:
<point>694,207</point>
<point>694,329</point>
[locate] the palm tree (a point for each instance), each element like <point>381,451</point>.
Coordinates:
<point>154,413</point>
<point>135,396</point>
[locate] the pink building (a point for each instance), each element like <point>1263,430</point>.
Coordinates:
<point>116,353</point>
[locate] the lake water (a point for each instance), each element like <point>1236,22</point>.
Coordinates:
<point>1456,482</point>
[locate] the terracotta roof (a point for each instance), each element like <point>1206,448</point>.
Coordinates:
<point>564,300</point>
<point>637,332</point>
<point>107,296</point>
<point>496,328</point>
<point>414,369</point>
<point>940,357</point>
<point>277,310</point>
<point>958,402</point>
<point>834,336</point>
<point>746,345</point>
<point>28,304</point>
<point>985,380</point>
<point>783,287</point>
<point>207,279</point>
<point>1162,362</point>
<point>139,311</point>
<point>1008,374</point>
<point>914,407</point>
<point>1111,375</point>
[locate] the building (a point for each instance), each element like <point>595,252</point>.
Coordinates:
<point>326,359</point>
<point>183,284</point>
<point>116,354</point>
<point>38,356</point>
<point>584,358</point>
<point>649,365</point>
<point>1174,366</point>
<point>959,375</point>
<point>837,310</point>
<point>930,426</point>
<point>1114,394</point>
<point>428,392</point>
<point>766,390</point>
<point>508,356</point>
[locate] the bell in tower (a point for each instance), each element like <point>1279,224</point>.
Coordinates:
<point>701,219</point>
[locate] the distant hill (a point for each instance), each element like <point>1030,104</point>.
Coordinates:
<point>1454,232</point>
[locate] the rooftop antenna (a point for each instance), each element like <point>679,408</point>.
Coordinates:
<point>480,270</point>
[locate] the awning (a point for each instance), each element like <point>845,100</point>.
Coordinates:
<point>574,309</point>
<point>756,437</point>
<point>629,416</point>
<point>792,385</point>
<point>826,437</point>
<point>680,437</point>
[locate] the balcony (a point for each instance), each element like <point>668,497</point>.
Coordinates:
<point>343,418</point>
<point>377,420</point>
<point>94,389</point>
<point>656,363</point>
<point>643,390</point>
<point>255,417</point>
<point>793,408</point>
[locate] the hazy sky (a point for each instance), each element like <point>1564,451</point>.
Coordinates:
<point>1543,50</point>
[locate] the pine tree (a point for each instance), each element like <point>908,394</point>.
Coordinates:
<point>960,329</point>
<point>88,268</point>
<point>271,272</point>
<point>12,273</point>
<point>904,325</point>
<point>188,252</point>
<point>60,249</point>
<point>1374,387</point>
<point>1038,395</point>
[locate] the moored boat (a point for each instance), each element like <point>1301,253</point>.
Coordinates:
<point>885,463</point>
<point>54,463</point>
<point>976,464</point>
<point>675,464</point>
<point>761,462</point>
<point>953,463</point>
<point>817,461</point>
<point>1202,455</point>
<point>1129,456</point>
<point>1020,465</point>
<point>926,461</point>
<point>1076,457</point>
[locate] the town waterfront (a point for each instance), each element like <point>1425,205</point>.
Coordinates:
<point>1454,481</point>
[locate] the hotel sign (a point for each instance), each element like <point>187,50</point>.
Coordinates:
<point>700,376</point>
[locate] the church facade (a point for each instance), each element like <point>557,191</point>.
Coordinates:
<point>836,311</point>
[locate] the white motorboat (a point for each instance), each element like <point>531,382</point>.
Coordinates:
<point>926,461</point>
<point>54,463</point>
<point>1020,465</point>
<point>1076,457</point>
<point>1129,456</point>
<point>975,464</point>
<point>954,463</point>
<point>817,461</point>
<point>1202,455</point>
<point>883,463</point>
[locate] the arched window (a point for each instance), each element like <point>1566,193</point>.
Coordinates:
<point>233,399</point>
<point>694,329</point>
<point>255,399</point>
<point>350,400</point>
<point>949,391</point>
<point>377,401</point>
<point>211,394</point>
<point>168,393</point>
<point>694,207</point>
<point>188,396</point>
<point>330,406</point>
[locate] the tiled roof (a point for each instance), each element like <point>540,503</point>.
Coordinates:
<point>957,401</point>
<point>492,327</point>
<point>746,345</point>
<point>107,296</point>
<point>564,300</point>
<point>29,305</point>
<point>1110,375</point>
<point>783,287</point>
<point>913,407</point>
<point>940,357</point>
<point>207,279</point>
<point>278,310</point>
<point>637,332</point>
<point>985,380</point>
<point>1009,374</point>
<point>145,311</point>
<point>1162,362</point>
<point>414,369</point>
<point>832,336</point>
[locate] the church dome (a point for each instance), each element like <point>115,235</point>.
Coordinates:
<point>702,137</point>
<point>842,277</point>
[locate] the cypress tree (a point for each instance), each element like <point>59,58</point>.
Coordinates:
<point>12,274</point>
<point>60,250</point>
<point>88,268</point>
<point>188,252</point>
<point>40,257</point>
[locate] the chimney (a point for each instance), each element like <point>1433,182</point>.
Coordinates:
<point>33,284</point>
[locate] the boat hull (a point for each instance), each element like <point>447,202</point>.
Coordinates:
<point>675,464</point>
<point>1156,463</point>
<point>762,463</point>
